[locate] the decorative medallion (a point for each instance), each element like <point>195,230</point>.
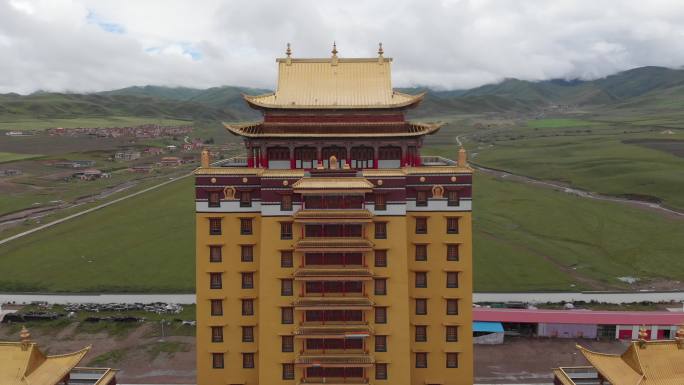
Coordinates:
<point>437,191</point>
<point>213,180</point>
<point>380,182</point>
<point>244,180</point>
<point>422,179</point>
<point>453,179</point>
<point>229,193</point>
<point>285,183</point>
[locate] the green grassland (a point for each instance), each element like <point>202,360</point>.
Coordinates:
<point>608,164</point>
<point>12,157</point>
<point>104,121</point>
<point>525,239</point>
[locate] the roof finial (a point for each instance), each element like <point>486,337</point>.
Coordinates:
<point>25,337</point>
<point>288,51</point>
<point>334,50</point>
<point>643,336</point>
<point>380,50</point>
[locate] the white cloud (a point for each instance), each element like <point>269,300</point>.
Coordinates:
<point>87,45</point>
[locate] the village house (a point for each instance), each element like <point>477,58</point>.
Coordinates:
<point>171,161</point>
<point>91,174</point>
<point>154,150</point>
<point>127,155</point>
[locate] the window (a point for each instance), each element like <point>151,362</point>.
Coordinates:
<point>452,360</point>
<point>287,344</point>
<point>421,306</point>
<point>248,360</point>
<point>288,372</point>
<point>452,280</point>
<point>286,287</point>
<point>452,225</point>
<point>421,333</point>
<point>380,371</point>
<point>452,198</point>
<point>421,225</point>
<point>215,281</point>
<point>217,334</point>
<point>421,360</point>
<point>452,333</point>
<point>380,286</point>
<point>214,226</point>
<point>421,252</point>
<point>380,315</point>
<point>286,259</point>
<point>214,199</point>
<point>217,360</point>
<point>380,343</point>
<point>247,280</point>
<point>380,202</point>
<point>285,230</point>
<point>245,199</point>
<point>452,307</point>
<point>452,252</point>
<point>245,226</point>
<point>286,202</point>
<point>421,198</point>
<point>380,258</point>
<point>215,254</point>
<point>421,279</point>
<point>216,307</point>
<point>248,334</point>
<point>247,253</point>
<point>247,307</point>
<point>380,230</point>
<point>286,316</point>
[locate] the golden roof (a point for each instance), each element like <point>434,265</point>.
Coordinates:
<point>328,184</point>
<point>334,83</point>
<point>22,363</point>
<point>656,363</point>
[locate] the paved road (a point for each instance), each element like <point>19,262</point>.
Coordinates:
<point>532,298</point>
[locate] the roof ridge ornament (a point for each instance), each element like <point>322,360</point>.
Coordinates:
<point>380,53</point>
<point>25,337</point>
<point>334,54</point>
<point>288,53</point>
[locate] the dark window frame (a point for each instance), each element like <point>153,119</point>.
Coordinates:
<point>421,256</point>
<point>246,253</point>
<point>380,319</point>
<point>215,226</point>
<point>248,334</point>
<point>216,334</point>
<point>380,343</point>
<point>286,202</point>
<point>453,251</point>
<point>449,311</point>
<point>423,309</point>
<point>381,374</point>
<point>380,258</point>
<point>218,361</point>
<point>215,257</point>
<point>247,307</point>
<point>288,372</point>
<point>451,333</point>
<point>247,280</point>
<point>246,226</point>
<point>422,362</point>
<point>285,290</point>
<point>287,344</point>
<point>452,283</point>
<point>422,197</point>
<point>215,281</point>
<point>248,361</point>
<point>216,310</point>
<point>378,287</point>
<point>214,199</point>
<point>453,200</point>
<point>380,230</point>
<point>452,225</point>
<point>286,259</point>
<point>421,225</point>
<point>380,202</point>
<point>451,364</point>
<point>424,333</point>
<point>245,198</point>
<point>286,230</point>
<point>286,316</point>
<point>422,282</point>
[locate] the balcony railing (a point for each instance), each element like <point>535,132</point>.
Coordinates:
<point>333,273</point>
<point>332,381</point>
<point>436,161</point>
<point>236,161</point>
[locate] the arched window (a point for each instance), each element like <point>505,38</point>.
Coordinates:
<point>361,157</point>
<point>278,157</point>
<point>305,157</point>
<point>339,152</point>
<point>389,157</point>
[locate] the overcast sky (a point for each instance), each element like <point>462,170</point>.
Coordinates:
<point>83,45</point>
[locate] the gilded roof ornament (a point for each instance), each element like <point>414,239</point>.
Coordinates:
<point>334,54</point>
<point>380,53</point>
<point>288,51</point>
<point>25,337</point>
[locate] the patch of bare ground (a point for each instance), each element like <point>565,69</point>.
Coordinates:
<point>530,360</point>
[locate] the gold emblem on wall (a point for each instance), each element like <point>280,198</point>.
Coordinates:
<point>438,191</point>
<point>229,193</point>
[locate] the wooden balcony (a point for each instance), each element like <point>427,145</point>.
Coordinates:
<point>332,381</point>
<point>333,303</point>
<point>341,245</point>
<point>333,216</point>
<point>335,360</point>
<point>333,330</point>
<point>333,273</point>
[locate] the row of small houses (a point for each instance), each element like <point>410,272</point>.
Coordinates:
<point>490,326</point>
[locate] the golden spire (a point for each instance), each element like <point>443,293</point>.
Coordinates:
<point>380,50</point>
<point>288,51</point>
<point>205,158</point>
<point>679,337</point>
<point>334,54</point>
<point>643,334</point>
<point>25,337</point>
<point>462,157</point>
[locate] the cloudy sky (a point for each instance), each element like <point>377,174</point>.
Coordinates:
<point>83,45</point>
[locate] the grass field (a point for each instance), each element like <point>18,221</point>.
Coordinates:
<point>600,163</point>
<point>11,156</point>
<point>525,239</point>
<point>105,121</point>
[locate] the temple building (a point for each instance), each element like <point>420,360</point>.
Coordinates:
<point>645,362</point>
<point>334,253</point>
<point>23,363</point>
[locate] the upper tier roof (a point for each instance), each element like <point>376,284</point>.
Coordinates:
<point>334,83</point>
